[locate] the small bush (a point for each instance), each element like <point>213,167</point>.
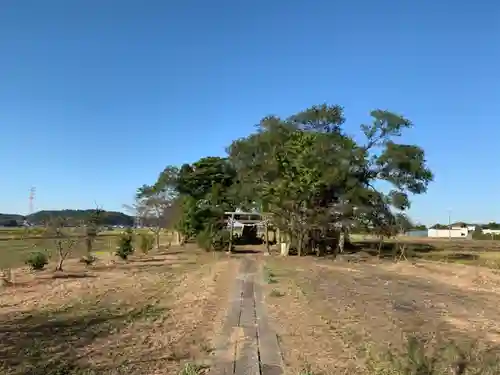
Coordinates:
<point>146,242</point>
<point>37,261</point>
<point>210,240</point>
<point>125,246</point>
<point>220,240</point>
<point>204,240</point>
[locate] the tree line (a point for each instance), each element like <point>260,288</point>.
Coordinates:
<point>490,225</point>
<point>71,217</point>
<point>311,180</point>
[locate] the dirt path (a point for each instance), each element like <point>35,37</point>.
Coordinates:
<point>246,344</point>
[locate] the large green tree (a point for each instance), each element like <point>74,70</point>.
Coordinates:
<point>205,191</point>
<point>315,180</point>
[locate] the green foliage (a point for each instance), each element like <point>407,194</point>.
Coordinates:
<point>309,174</point>
<point>125,246</point>
<point>146,242</point>
<point>419,227</point>
<point>269,276</point>
<point>192,217</point>
<point>491,225</point>
<point>92,229</point>
<point>220,240</point>
<point>37,260</point>
<point>311,178</point>
<point>204,239</point>
<point>213,240</point>
<point>440,226</point>
<point>191,369</point>
<point>206,188</point>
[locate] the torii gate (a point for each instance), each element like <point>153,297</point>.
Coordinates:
<point>248,221</point>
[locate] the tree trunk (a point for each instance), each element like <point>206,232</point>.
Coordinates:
<point>341,241</point>
<point>380,244</point>
<point>157,240</point>
<point>231,233</point>
<point>267,252</point>
<point>285,243</point>
<point>285,248</point>
<point>300,243</point>
<point>60,262</point>
<point>88,245</point>
<point>177,238</point>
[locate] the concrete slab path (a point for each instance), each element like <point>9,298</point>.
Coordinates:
<point>247,345</point>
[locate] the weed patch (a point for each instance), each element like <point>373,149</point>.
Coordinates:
<point>191,369</point>
<point>276,293</point>
<point>420,356</point>
<point>269,276</point>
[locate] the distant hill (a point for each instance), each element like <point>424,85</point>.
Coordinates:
<point>110,218</point>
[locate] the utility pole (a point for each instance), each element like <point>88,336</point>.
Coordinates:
<point>31,198</point>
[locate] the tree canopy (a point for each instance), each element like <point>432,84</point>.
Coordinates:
<point>311,178</point>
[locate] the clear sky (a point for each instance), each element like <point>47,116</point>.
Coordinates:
<point>98,96</point>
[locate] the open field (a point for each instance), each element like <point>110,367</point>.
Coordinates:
<point>37,232</point>
<point>473,252</point>
<point>330,315</point>
<point>13,252</point>
<point>158,313</point>
<point>145,316</point>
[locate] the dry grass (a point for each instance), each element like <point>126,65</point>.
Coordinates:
<point>146,316</point>
<point>332,314</point>
<point>483,253</point>
<point>13,252</point>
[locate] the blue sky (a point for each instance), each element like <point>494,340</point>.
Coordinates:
<point>97,97</point>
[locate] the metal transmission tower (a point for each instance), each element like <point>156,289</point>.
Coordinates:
<point>32,197</point>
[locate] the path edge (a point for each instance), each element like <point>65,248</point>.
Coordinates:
<point>269,351</point>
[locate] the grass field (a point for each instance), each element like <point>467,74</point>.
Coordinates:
<point>37,232</point>
<point>331,317</point>
<point>13,252</point>
<point>159,313</point>
<point>149,315</point>
<point>473,252</point>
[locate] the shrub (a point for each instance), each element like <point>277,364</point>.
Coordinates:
<point>125,247</point>
<point>146,242</point>
<point>220,240</point>
<point>217,240</point>
<point>204,239</point>
<point>37,261</point>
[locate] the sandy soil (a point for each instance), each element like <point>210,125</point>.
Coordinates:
<point>147,316</point>
<point>329,314</point>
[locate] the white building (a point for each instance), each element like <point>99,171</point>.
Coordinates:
<point>491,231</point>
<point>447,233</point>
